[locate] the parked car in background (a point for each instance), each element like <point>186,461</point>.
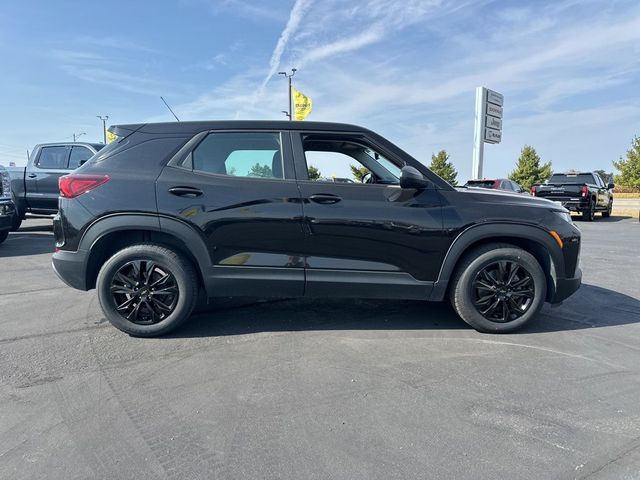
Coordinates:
<point>497,184</point>
<point>7,207</point>
<point>582,192</point>
<point>219,209</point>
<point>35,187</point>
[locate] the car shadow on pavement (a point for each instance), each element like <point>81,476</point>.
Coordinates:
<point>29,240</point>
<point>600,219</point>
<point>590,307</point>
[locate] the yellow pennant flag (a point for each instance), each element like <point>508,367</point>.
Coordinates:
<point>302,105</point>
<point>111,136</point>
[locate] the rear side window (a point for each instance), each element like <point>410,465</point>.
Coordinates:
<point>240,154</point>
<point>54,158</point>
<point>79,154</point>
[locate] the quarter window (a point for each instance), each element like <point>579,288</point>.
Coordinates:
<point>240,154</point>
<point>54,158</point>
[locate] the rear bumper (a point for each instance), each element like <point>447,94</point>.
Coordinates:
<point>573,205</point>
<point>565,287</point>
<point>71,268</point>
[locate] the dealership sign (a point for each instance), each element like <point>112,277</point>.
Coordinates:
<point>488,125</point>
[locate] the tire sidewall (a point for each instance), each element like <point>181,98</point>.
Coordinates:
<point>186,298</point>
<point>464,295</point>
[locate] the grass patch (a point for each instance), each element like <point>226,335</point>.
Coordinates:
<point>625,213</point>
<point>626,195</point>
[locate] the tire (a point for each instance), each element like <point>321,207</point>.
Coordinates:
<point>464,294</point>
<point>590,212</point>
<point>142,300</point>
<point>3,235</point>
<point>15,224</point>
<point>607,212</point>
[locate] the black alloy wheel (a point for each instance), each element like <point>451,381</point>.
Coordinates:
<point>503,291</point>
<point>144,292</point>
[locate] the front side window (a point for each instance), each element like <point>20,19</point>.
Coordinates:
<point>54,158</point>
<point>79,154</point>
<point>347,161</point>
<point>248,154</point>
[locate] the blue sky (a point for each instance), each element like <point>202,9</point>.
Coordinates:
<point>569,70</point>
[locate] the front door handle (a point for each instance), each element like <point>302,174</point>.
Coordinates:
<point>190,192</point>
<point>325,198</point>
<point>32,175</point>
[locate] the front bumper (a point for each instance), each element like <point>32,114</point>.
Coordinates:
<point>565,287</point>
<point>71,268</point>
<point>7,212</point>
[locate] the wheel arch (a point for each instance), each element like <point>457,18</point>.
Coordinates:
<point>532,239</point>
<point>110,234</point>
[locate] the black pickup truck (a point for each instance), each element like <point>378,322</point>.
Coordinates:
<point>585,193</point>
<point>7,208</point>
<point>35,186</point>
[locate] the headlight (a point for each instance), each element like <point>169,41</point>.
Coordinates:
<point>5,180</point>
<point>566,216</point>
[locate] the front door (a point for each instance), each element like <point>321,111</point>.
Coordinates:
<point>365,236</point>
<point>239,191</point>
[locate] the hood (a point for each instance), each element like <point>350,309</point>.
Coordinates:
<point>509,198</point>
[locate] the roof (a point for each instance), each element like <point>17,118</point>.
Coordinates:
<point>95,146</point>
<point>194,127</point>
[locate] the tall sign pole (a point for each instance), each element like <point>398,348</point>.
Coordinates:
<point>487,127</point>
<point>288,76</point>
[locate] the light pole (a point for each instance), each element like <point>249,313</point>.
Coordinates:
<point>104,126</point>
<point>288,76</point>
<point>76,136</point>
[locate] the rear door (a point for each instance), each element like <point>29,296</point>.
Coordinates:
<point>365,236</point>
<point>238,190</point>
<point>42,179</point>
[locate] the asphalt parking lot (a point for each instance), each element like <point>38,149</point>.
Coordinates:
<point>321,389</point>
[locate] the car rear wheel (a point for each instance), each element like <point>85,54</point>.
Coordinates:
<point>3,235</point>
<point>147,290</point>
<point>498,288</point>
<point>590,212</point>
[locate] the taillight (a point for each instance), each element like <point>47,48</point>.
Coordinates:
<point>584,191</point>
<point>76,184</point>
<point>533,190</point>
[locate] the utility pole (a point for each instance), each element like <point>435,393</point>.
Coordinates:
<point>288,77</point>
<point>76,136</point>
<point>104,126</point>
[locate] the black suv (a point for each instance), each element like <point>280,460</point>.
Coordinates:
<point>172,214</point>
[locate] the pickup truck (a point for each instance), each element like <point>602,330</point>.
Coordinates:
<point>35,187</point>
<point>7,208</point>
<point>585,193</point>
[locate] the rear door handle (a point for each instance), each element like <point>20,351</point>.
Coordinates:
<point>325,198</point>
<point>190,192</point>
<point>32,175</point>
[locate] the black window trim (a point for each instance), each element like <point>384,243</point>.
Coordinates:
<point>177,161</point>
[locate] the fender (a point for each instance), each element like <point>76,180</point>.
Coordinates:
<point>179,229</point>
<point>500,231</point>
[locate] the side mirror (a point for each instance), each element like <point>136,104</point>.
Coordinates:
<point>611,186</point>
<point>410,177</point>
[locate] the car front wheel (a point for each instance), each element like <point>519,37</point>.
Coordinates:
<point>498,288</point>
<point>147,290</point>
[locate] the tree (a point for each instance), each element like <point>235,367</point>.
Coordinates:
<point>258,170</point>
<point>629,167</point>
<point>441,166</point>
<point>528,169</point>
<point>358,172</point>
<point>313,172</point>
